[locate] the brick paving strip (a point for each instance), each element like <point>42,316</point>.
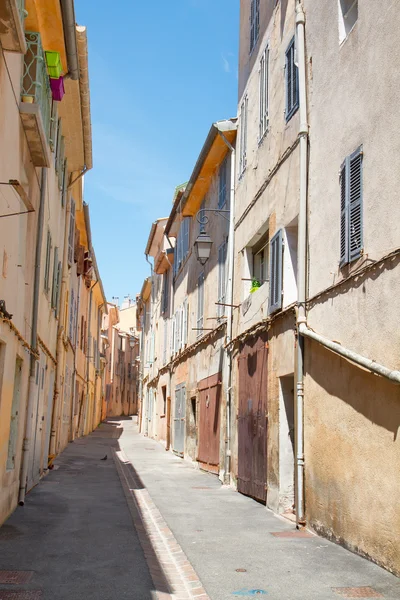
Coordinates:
<point>173,576</point>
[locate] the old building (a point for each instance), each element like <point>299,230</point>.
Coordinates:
<point>45,145</point>
<point>121,349</point>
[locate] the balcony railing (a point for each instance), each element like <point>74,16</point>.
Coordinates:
<point>35,80</point>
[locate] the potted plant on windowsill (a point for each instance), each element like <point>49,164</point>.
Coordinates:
<point>255,284</point>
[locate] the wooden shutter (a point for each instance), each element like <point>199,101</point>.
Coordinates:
<point>58,287</point>
<point>185,318</point>
<point>275,269</point>
<point>351,231</point>
<point>47,265</point>
<point>71,236</point>
<point>355,205</point>
<point>71,317</point>
<point>54,286</point>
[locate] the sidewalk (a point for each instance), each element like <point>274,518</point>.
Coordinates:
<point>145,524</point>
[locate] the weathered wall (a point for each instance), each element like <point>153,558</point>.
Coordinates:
<point>352,492</point>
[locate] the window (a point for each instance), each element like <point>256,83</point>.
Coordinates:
<point>254,23</point>
<point>57,147</point>
<point>351,233</point>
<point>182,244</point>
<point>292,82</point>
<point>200,304</point>
<point>164,397</point>
<point>221,279</point>
<point>53,126</point>
<point>348,15</point>
<point>275,269</point>
<point>165,294</point>
<point>263,116</point>
<point>260,259</point>
<point>61,160</point>
<point>71,236</point>
<point>165,341</point>
<point>243,136</point>
<point>47,265</point>
<point>222,189</point>
<point>64,187</point>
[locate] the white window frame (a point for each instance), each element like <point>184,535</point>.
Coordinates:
<point>263,94</point>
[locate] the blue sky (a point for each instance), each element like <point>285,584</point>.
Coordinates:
<point>160,73</point>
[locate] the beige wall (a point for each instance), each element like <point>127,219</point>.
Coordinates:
<point>351,417</point>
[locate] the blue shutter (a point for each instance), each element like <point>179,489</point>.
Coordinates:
<point>55,274</point>
<point>186,230</point>
<point>275,268</point>
<point>292,82</point>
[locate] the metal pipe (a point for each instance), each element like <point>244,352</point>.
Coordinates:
<point>301,266</point>
<point>371,365</point>
<point>68,18</point>
<point>32,395</point>
<point>229,315</point>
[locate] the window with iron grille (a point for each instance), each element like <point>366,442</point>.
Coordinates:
<point>254,22</point>
<point>47,264</point>
<point>292,82</point>
<point>243,136</point>
<point>263,94</point>
<point>351,200</point>
<point>221,279</point>
<point>200,304</point>
<point>222,188</point>
<point>275,271</point>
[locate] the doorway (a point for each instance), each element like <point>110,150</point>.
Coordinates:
<point>286,443</point>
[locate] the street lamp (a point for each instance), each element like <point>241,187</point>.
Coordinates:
<point>202,248</point>
<point>203,243</point>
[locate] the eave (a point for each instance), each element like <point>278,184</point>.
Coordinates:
<point>211,156</point>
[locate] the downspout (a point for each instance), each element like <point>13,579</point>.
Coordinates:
<point>61,332</point>
<point>301,267</point>
<point>229,313</point>
<point>35,314</point>
<point>68,19</point>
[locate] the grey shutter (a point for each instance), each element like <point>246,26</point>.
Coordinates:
<point>54,288</point>
<point>53,126</point>
<point>343,214</point>
<point>58,146</point>
<point>275,268</point>
<point>47,265</point>
<point>71,236</point>
<point>58,287</point>
<point>61,157</point>
<point>71,317</point>
<point>186,229</point>
<point>292,82</point>
<point>222,184</point>
<point>200,304</point>
<point>64,183</point>
<point>355,205</point>
<point>221,278</point>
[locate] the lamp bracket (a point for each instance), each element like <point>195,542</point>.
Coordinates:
<point>204,220</point>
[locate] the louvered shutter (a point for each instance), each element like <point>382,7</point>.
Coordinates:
<point>71,316</point>
<point>172,345</point>
<point>222,184</point>
<point>186,237</point>
<point>47,265</point>
<point>351,231</point>
<point>54,287</point>
<point>177,330</point>
<point>71,236</point>
<point>53,126</point>
<point>355,205</point>
<point>61,158</point>
<point>58,146</point>
<point>58,287</point>
<point>275,268</point>
<point>343,214</point>
<point>64,184</point>
<point>185,322</point>
<point>292,82</point>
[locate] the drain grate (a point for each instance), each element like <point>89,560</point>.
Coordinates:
<point>16,577</point>
<point>23,595</point>
<point>357,592</point>
<point>292,534</point>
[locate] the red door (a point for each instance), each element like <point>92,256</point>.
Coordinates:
<point>209,422</point>
<point>252,418</point>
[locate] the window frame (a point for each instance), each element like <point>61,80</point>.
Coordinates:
<point>292,87</point>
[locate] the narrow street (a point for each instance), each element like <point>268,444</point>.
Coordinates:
<point>145,524</point>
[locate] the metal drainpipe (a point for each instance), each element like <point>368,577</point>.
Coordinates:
<point>229,311</point>
<point>301,267</point>
<point>32,395</point>
<point>68,18</point>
